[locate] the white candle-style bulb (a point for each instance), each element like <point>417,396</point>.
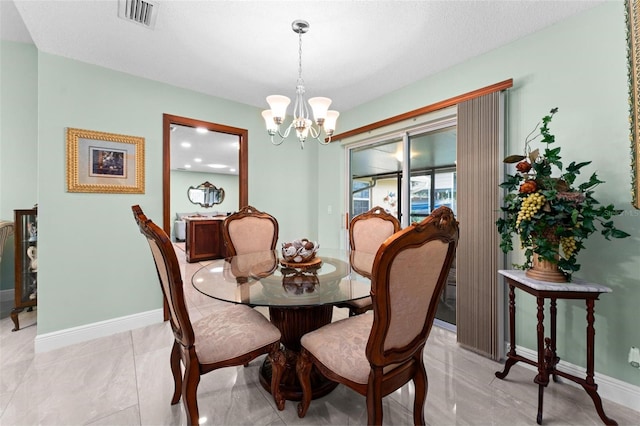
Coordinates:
<point>278,105</point>
<point>319,106</point>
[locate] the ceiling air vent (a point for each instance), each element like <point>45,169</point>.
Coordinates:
<point>138,11</point>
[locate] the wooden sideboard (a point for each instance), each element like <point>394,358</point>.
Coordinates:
<point>204,240</point>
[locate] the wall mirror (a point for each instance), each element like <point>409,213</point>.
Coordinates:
<point>175,129</point>
<point>206,194</point>
<point>633,52</point>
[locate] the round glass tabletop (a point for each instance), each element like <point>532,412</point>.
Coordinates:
<point>263,279</point>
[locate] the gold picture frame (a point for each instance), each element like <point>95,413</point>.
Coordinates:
<point>104,162</point>
<point>633,54</point>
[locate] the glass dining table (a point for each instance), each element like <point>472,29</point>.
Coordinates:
<point>300,298</point>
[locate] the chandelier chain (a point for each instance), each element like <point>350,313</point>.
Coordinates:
<point>300,57</point>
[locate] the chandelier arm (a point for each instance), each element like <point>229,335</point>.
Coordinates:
<point>274,142</point>
<point>324,141</point>
<point>316,134</point>
<point>286,132</point>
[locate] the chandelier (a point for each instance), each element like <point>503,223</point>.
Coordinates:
<point>325,120</point>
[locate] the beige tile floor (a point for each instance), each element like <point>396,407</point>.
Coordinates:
<point>125,379</point>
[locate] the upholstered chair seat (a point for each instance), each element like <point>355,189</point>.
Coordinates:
<point>340,346</point>
<point>229,325</point>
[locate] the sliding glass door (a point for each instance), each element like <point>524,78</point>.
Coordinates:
<point>375,171</point>
<point>428,158</point>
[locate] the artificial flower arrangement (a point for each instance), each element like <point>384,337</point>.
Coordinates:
<point>551,215</point>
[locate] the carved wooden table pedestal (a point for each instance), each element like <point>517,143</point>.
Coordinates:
<point>293,324</point>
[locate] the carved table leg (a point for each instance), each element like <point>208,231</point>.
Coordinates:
<point>542,379</point>
<point>293,323</point>
<point>555,359</point>
<point>589,385</point>
<point>511,355</point>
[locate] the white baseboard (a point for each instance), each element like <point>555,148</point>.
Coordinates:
<point>608,387</point>
<point>58,339</point>
<point>6,295</point>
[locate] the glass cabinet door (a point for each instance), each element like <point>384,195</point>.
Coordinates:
<point>26,262</point>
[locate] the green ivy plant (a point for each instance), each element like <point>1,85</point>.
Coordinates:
<point>550,213</point>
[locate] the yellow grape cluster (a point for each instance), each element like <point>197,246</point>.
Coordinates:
<point>530,206</point>
<point>568,245</point>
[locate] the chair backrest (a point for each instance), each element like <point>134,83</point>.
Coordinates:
<point>6,229</point>
<point>409,272</point>
<point>249,230</point>
<point>369,230</point>
<point>168,269</point>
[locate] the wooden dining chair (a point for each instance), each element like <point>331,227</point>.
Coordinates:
<point>231,336</point>
<point>367,232</point>
<point>249,230</point>
<point>377,354</point>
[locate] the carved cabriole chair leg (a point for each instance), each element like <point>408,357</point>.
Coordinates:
<point>374,397</point>
<point>303,369</point>
<point>278,361</point>
<point>421,384</point>
<point>177,374</point>
<point>190,383</point>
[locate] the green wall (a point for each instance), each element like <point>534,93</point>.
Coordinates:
<point>578,65</point>
<point>94,265</point>
<point>18,139</point>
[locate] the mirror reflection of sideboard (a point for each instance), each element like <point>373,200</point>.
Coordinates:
<point>204,240</point>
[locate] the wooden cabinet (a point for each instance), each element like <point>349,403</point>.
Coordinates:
<point>26,262</point>
<point>204,240</point>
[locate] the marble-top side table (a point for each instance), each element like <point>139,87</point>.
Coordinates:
<point>547,356</point>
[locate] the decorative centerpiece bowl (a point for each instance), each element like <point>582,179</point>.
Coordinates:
<point>300,253</point>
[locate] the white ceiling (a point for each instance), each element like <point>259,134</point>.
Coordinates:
<point>355,51</point>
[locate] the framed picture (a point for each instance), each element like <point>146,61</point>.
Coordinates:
<point>104,162</point>
<point>633,49</point>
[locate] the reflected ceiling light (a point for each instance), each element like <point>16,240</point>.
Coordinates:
<point>201,130</point>
<point>217,166</point>
<point>198,160</point>
<point>324,118</point>
<point>185,145</point>
<point>400,156</point>
<point>187,166</point>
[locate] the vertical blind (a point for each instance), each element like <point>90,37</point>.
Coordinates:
<point>479,163</point>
